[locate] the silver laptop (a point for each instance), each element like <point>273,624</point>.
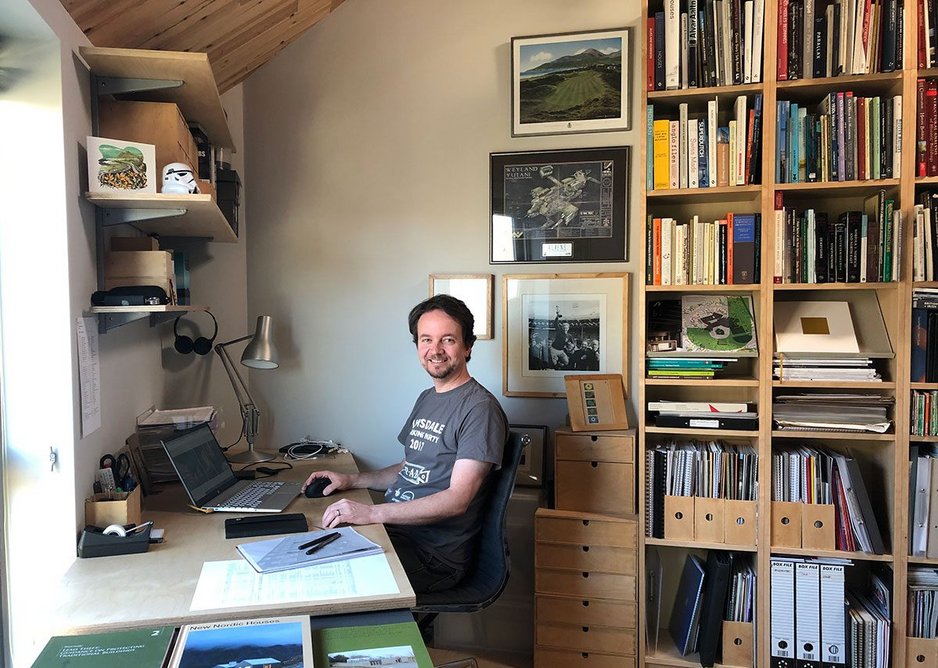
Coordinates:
<point>210,483</point>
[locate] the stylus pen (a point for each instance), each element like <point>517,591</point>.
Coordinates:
<point>328,538</point>
<point>325,541</point>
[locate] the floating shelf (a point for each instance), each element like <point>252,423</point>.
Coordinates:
<point>196,215</point>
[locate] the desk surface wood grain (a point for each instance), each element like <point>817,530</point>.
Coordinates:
<point>156,587</point>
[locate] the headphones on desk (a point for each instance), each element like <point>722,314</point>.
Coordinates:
<point>200,346</point>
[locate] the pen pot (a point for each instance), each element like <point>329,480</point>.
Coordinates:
<point>118,508</point>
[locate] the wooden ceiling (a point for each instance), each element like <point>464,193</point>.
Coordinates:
<point>238,35</point>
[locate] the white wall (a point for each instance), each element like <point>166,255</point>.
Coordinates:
<point>368,143</point>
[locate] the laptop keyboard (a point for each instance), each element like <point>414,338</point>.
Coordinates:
<point>251,497</point>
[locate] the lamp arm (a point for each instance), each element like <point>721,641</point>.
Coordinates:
<point>249,412</point>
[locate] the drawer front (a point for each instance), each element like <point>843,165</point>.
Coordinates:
<point>595,487</point>
<point>595,447</point>
<point>594,558</point>
<point>585,611</point>
<point>585,584</point>
<point>546,657</point>
<point>613,533</point>
<point>585,638</point>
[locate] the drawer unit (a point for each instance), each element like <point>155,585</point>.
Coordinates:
<point>595,472</point>
<point>586,588</point>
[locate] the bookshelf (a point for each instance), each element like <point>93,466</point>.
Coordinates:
<point>885,454</point>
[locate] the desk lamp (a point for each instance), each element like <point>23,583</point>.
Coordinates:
<point>260,353</point>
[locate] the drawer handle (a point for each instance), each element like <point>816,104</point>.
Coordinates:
<point>586,629</point>
<point>586,574</point>
<point>586,548</point>
<point>594,438</point>
<point>586,523</point>
<point>586,604</point>
<point>594,464</point>
<point>585,655</point>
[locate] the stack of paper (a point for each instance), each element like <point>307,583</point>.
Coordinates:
<point>855,369</point>
<point>832,412</point>
<point>278,554</point>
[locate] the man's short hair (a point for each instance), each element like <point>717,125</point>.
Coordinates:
<point>451,306</point>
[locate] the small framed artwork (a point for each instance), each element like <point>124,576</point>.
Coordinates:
<point>560,206</point>
<point>121,166</point>
<point>571,82</point>
<point>475,290</point>
<point>596,402</point>
<point>555,325</point>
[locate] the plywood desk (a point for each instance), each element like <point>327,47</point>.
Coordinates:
<point>156,587</point>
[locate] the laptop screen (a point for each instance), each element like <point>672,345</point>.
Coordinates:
<point>200,463</point>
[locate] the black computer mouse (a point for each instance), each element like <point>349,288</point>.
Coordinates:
<point>315,488</point>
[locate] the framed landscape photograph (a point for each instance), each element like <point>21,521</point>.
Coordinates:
<point>473,289</point>
<point>558,325</point>
<point>567,205</point>
<point>571,82</point>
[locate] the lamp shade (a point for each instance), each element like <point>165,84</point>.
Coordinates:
<point>260,353</point>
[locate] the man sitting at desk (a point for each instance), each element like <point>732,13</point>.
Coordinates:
<point>454,436</point>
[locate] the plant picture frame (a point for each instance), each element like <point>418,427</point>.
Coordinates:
<point>568,205</point>
<point>571,82</point>
<point>556,325</point>
<point>476,290</point>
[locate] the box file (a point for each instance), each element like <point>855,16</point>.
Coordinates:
<point>807,614</point>
<point>833,616</point>
<point>782,622</point>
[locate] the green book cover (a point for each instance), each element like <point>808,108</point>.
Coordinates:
<point>399,645</point>
<point>140,648</point>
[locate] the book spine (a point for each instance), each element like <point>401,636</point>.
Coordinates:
<point>650,250</point>
<point>682,144</point>
<point>674,164</point>
<point>758,18</point>
<point>692,41</point>
<point>662,131</point>
<point>649,148</point>
<point>659,51</point>
<point>672,45</point>
<point>920,118</point>
<point>781,69</point>
<point>650,54</point>
<point>712,139</point>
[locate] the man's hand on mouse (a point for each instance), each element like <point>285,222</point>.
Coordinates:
<point>346,511</point>
<point>338,481</point>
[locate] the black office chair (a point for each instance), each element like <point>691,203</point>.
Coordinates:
<point>486,579</point>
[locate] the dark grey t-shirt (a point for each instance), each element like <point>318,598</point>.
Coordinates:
<point>464,423</point>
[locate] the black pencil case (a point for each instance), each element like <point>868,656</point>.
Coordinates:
<point>265,525</point>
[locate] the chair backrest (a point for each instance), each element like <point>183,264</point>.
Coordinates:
<point>487,578</point>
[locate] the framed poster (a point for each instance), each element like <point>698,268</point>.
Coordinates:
<point>557,325</point>
<point>560,206</point>
<point>473,289</point>
<point>570,82</point>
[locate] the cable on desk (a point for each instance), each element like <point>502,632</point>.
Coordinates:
<point>311,449</point>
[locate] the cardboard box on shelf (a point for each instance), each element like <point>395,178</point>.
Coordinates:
<point>124,268</point>
<point>119,508</point>
<point>206,188</point>
<point>135,244</point>
<point>157,123</point>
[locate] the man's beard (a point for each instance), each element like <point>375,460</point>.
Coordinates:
<point>440,372</point>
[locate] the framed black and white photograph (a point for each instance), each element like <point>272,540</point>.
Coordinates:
<point>571,82</point>
<point>473,289</point>
<point>567,205</point>
<point>556,325</point>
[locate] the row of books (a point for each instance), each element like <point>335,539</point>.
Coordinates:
<point>698,152</point>
<point>924,419</point>
<point>702,43</point>
<point>819,475</point>
<point>832,412</point>
<point>922,602</point>
<point>816,619</point>
<point>696,252</point>
<point>925,237</point>
<point>838,38</point>
<point>854,247</point>
<point>687,367</point>
<point>846,138</point>
<point>926,53</point>
<point>923,500</point>
<point>923,361</point>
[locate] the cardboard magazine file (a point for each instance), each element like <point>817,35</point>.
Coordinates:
<point>105,509</point>
<point>786,523</point>
<point>679,517</point>
<point>817,526</point>
<point>920,652</point>
<point>708,519</point>
<point>739,522</point>
<point>737,644</point>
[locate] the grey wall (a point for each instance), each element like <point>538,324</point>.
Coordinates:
<point>368,146</point>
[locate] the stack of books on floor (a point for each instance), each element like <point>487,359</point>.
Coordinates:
<point>686,367</point>
<point>704,414</point>
<point>855,370</point>
<point>924,356</point>
<point>923,500</point>
<point>832,412</point>
<point>923,602</point>
<point>819,475</point>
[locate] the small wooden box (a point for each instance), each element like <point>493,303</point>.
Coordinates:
<point>157,123</point>
<point>124,508</point>
<point>786,523</point>
<point>817,526</point>
<point>739,523</point>
<point>679,517</point>
<point>595,472</point>
<point>737,644</point>
<point>708,519</point>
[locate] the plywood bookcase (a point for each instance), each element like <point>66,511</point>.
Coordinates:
<point>754,383</point>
